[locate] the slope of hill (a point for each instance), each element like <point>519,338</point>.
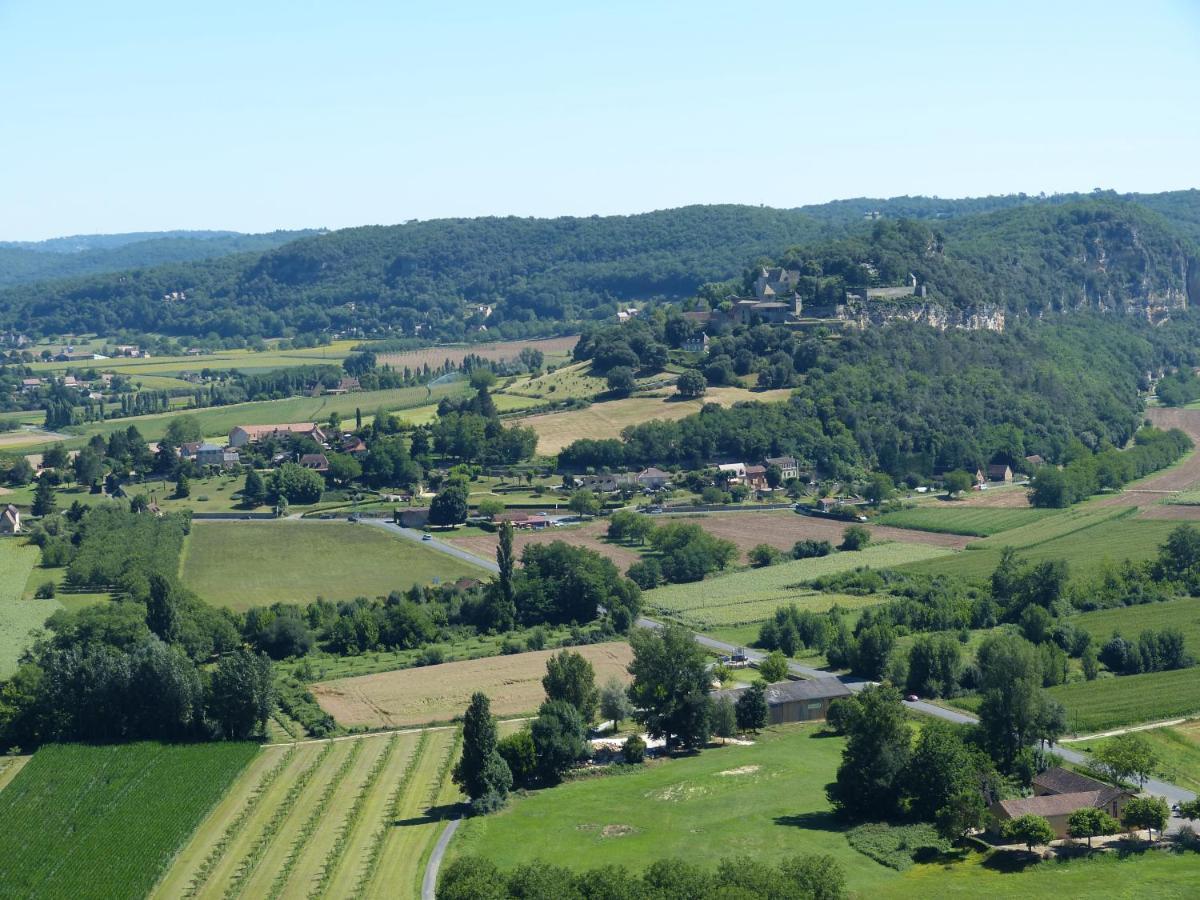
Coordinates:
<point>539,276</point>
<point>22,262</point>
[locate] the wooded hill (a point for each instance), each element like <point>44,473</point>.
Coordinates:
<point>545,275</point>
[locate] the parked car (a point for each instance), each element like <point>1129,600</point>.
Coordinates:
<point>911,698</point>
<point>427,537</point>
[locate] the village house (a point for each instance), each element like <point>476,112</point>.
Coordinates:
<point>1058,792</point>
<point>345,386</point>
<point>355,446</point>
<point>1034,460</point>
<point>10,520</point>
<point>732,473</point>
<point>521,520</point>
<point>30,385</point>
<point>795,701</point>
<point>249,434</point>
<point>607,484</point>
<point>789,466</point>
<point>318,462</point>
<point>653,479</point>
<point>214,455</point>
<point>756,478</point>
<point>189,449</point>
<point>1000,472</point>
<point>696,343</point>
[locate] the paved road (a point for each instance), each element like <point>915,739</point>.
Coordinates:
<point>413,534</point>
<point>429,881</point>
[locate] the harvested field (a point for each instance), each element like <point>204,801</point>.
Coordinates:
<point>22,437</point>
<point>1179,477</point>
<point>590,535</point>
<point>503,350</point>
<point>439,693</point>
<point>1176,512</point>
<point>1014,496</point>
<point>606,420</point>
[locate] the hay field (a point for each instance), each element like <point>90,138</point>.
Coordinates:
<point>606,420</point>
<point>440,693</point>
<point>499,351</point>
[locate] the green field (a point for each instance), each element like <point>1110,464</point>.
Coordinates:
<point>244,564</point>
<point>1178,749</point>
<point>751,595</point>
<point>1183,613</point>
<point>18,616</point>
<point>1082,537</point>
<point>347,818</point>
<point>104,822</point>
<point>766,801</point>
<point>242,360</point>
<point>946,518</point>
<point>1129,699</point>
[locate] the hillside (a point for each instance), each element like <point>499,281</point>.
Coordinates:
<point>1015,254</point>
<point>22,262</point>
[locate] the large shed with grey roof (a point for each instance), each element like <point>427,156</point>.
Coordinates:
<point>796,701</point>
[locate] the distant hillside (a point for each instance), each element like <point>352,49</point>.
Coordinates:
<point>22,262</point>
<point>541,276</point>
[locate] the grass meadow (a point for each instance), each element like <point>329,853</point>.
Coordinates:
<point>243,564</point>
<point>104,822</point>
<point>18,616</point>
<point>980,521</point>
<point>346,818</point>
<point>752,595</point>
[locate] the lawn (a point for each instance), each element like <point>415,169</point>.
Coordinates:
<point>751,595</point>
<point>104,822</point>
<point>1178,749</point>
<point>766,801</point>
<point>1129,699</point>
<point>440,693</point>
<point>1082,537</point>
<point>244,564</point>
<point>607,419</point>
<point>335,818</point>
<point>18,616</point>
<point>980,521</point>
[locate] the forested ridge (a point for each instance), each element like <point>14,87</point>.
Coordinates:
<point>546,275</point>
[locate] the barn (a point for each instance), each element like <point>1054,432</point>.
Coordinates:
<point>796,701</point>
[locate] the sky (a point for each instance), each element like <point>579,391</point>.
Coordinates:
<point>253,116</point>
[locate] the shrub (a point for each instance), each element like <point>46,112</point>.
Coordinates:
<point>46,590</point>
<point>634,750</point>
<point>762,555</point>
<point>855,538</point>
<point>897,846</point>
<point>808,549</point>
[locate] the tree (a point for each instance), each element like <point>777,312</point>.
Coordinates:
<point>43,498</point>
<point>502,607</point>
<point>162,609</point>
<point>957,481</point>
<point>633,751</point>
<point>879,487</point>
<point>724,718</point>
<point>762,555</point>
<point>182,430</point>
<point>584,503</point>
<point>614,702</point>
<point>645,573</point>
<point>751,710</point>
<point>571,678</point>
<point>560,738</point>
<point>691,384</point>
<point>774,668</point>
<point>1029,829</point>
<point>21,472</point>
<point>1190,809</point>
<point>56,457</point>
<point>481,772</point>
<point>621,381</point>
<point>670,685</point>
<point>963,812</point>
<point>88,466</point>
<point>1127,757</point>
<point>183,488</point>
<point>472,878</point>
<point>1010,680</point>
<point>1090,822</point>
<point>855,538</point>
<point>241,694</point>
<point>878,747</point>
<point>490,507</point>
<point>519,753</point>
<point>343,468</point>
<point>1090,664</point>
<point>254,491</point>
<point>449,507</point>
<point>1151,813</point>
<point>1179,557</point>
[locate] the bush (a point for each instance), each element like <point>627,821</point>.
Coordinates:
<point>807,549</point>
<point>518,751</point>
<point>432,656</point>
<point>762,555</point>
<point>646,574</point>
<point>897,846</point>
<point>46,591</point>
<point>855,538</point>
<point>634,750</point>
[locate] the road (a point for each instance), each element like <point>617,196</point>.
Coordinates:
<point>413,534</point>
<point>429,881</point>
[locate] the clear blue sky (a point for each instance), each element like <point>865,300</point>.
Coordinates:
<point>261,114</point>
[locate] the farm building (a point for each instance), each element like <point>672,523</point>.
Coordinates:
<point>1058,792</point>
<point>653,479</point>
<point>248,434</point>
<point>796,701</point>
<point>315,461</point>
<point>999,472</point>
<point>10,520</point>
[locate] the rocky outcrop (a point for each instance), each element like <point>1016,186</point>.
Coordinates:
<point>936,315</point>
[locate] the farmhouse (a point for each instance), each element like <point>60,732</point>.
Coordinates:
<point>795,701</point>
<point>789,466</point>
<point>355,446</point>
<point>733,473</point>
<point>212,455</point>
<point>999,472</point>
<point>696,343</point>
<point>756,478</point>
<point>315,461</point>
<point>10,520</point>
<point>1034,460</point>
<point>653,479</point>
<point>1058,792</point>
<point>249,434</point>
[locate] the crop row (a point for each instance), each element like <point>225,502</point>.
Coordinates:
<point>309,828</point>
<point>391,814</point>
